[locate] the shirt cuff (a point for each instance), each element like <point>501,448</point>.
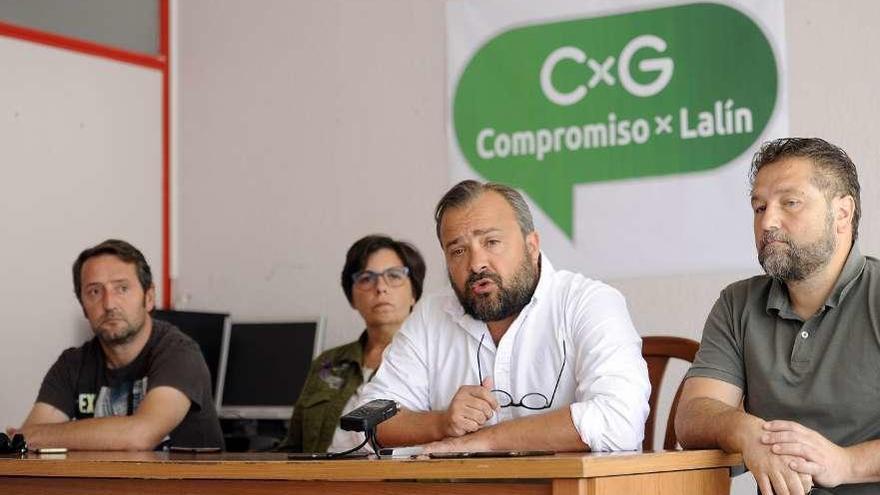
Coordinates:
<point>603,433</point>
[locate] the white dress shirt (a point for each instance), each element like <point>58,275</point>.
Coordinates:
<point>604,381</point>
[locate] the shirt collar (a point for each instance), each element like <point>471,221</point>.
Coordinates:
<point>855,264</point>
<point>547,272</point>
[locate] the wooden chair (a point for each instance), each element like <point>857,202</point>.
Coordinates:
<point>657,351</point>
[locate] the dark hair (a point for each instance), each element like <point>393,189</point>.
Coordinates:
<point>835,174</point>
<point>468,190</point>
<point>359,253</point>
<point>122,250</point>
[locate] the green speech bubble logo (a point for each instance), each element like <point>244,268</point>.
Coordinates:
<point>666,91</point>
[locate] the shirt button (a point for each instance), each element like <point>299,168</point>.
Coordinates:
<point>804,334</point>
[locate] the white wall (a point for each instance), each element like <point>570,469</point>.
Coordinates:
<point>304,126</point>
<point>81,161</point>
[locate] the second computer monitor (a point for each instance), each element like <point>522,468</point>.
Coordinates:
<point>267,367</point>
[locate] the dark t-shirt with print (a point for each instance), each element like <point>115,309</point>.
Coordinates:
<point>81,386</point>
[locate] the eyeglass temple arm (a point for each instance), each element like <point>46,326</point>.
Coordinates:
<point>558,378</point>
<point>479,366</point>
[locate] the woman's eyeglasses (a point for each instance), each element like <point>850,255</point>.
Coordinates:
<point>534,400</point>
<point>394,277</point>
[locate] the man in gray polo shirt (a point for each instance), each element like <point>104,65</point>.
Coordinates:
<point>799,348</point>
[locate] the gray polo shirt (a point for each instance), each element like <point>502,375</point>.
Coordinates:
<point>823,373</point>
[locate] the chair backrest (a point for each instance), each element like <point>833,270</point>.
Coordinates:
<point>657,352</point>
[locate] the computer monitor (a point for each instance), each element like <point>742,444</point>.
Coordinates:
<point>267,367</point>
<point>211,331</point>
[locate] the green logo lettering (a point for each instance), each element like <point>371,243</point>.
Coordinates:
<point>665,91</point>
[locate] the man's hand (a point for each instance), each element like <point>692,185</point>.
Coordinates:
<point>710,416</point>
<point>466,443</point>
<point>469,410</point>
<point>772,471</point>
<point>828,463</point>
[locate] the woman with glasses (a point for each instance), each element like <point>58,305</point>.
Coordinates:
<point>382,279</point>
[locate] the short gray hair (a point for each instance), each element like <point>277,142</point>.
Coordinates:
<point>468,190</point>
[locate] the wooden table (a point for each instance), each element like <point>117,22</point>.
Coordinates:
<point>692,472</point>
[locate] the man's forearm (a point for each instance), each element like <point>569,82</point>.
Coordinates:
<point>549,431</point>
<point>867,467</point>
<point>411,428</point>
<point>110,433</point>
<point>710,423</point>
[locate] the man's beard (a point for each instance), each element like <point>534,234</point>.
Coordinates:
<point>798,261</point>
<point>122,336</point>
<point>507,301</point>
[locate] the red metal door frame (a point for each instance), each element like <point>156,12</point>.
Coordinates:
<point>160,62</point>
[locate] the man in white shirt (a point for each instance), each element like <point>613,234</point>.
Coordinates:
<point>517,355</point>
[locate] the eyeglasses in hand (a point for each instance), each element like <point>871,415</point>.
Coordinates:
<point>534,400</point>
<point>394,277</point>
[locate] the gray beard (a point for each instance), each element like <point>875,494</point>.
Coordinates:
<point>507,301</point>
<point>798,261</point>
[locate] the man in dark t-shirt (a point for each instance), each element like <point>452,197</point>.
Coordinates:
<point>139,384</point>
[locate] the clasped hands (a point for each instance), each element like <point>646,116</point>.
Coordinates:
<point>788,458</point>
